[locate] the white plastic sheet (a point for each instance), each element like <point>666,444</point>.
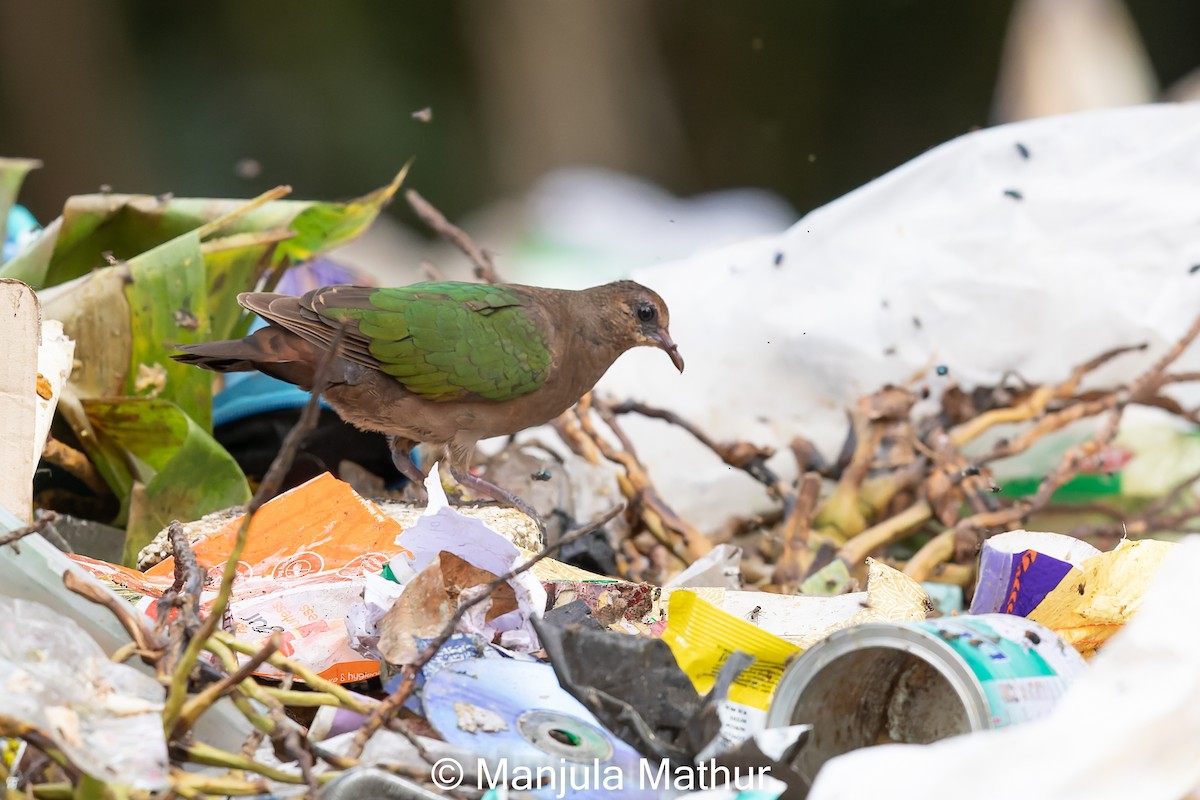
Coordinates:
<point>971,255</point>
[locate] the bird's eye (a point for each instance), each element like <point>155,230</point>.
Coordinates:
<point>647,313</point>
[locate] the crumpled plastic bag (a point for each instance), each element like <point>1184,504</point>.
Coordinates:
<point>106,717</point>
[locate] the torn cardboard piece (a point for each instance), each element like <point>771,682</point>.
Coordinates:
<point>20,329</point>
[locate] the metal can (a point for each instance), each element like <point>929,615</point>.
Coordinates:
<point>918,682</point>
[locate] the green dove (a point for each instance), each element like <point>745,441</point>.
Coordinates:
<point>446,363</point>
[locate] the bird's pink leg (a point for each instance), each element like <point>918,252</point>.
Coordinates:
<point>488,489</point>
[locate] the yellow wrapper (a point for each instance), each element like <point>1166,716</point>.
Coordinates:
<point>1090,604</point>
<point>702,637</point>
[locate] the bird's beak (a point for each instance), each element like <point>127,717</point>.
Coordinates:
<point>670,348</point>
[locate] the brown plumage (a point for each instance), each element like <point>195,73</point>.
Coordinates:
<point>447,363</point>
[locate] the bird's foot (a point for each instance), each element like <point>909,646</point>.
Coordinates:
<point>404,465</point>
<point>488,489</point>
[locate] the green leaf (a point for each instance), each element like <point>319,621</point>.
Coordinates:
<point>236,264</point>
<point>141,416</point>
<point>187,474</point>
<point>96,227</point>
<point>168,306</point>
<point>323,226</point>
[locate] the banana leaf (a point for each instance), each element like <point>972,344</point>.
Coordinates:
<point>132,277</point>
<point>177,465</point>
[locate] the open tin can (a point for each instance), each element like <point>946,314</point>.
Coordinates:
<point>919,682</point>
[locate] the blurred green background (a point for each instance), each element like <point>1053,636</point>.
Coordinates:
<point>808,99</point>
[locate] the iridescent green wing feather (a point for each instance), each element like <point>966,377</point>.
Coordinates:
<point>448,341</point>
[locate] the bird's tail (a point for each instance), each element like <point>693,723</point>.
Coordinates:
<point>274,351</point>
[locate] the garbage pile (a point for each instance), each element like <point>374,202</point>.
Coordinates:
<point>900,621</point>
<point>503,667</point>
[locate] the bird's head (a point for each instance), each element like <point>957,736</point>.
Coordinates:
<point>641,317</point>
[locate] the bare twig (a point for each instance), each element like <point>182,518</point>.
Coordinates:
<point>1156,376</point>
<point>887,531</point>
<point>1158,516</point>
<point>747,457</point>
<point>38,526</point>
<point>1068,467</point>
<point>1037,401</point>
<point>796,556</point>
<point>933,553</point>
<point>145,638</point>
<point>196,704</point>
<point>840,516</point>
<point>200,753</point>
<point>345,698</point>
<point>485,270</point>
<point>178,610</point>
<point>1048,424</point>
<point>682,539</point>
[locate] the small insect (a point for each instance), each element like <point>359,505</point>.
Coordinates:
<point>424,115</point>
<point>1023,150</point>
<point>541,475</point>
<point>1194,269</point>
<point>942,369</point>
<point>754,612</point>
<point>108,256</point>
<point>778,259</point>
<point>1033,637</point>
<point>1014,194</point>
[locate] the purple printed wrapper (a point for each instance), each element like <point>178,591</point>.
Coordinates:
<point>1018,569</point>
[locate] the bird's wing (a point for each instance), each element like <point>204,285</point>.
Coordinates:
<point>443,341</point>
<point>296,315</point>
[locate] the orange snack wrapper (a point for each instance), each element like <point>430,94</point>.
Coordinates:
<point>302,569</point>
